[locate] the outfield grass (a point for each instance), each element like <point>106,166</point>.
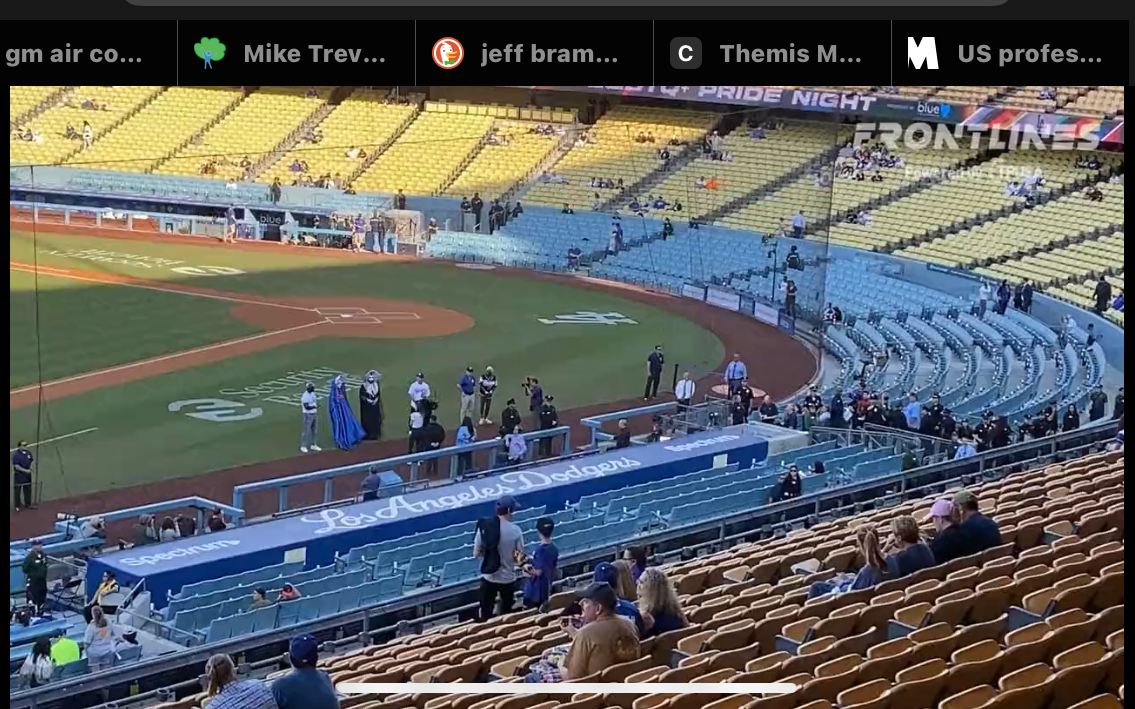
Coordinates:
<point>83,326</point>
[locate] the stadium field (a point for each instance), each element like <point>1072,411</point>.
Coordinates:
<point>137,361</point>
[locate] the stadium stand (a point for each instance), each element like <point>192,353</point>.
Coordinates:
<point>611,150</point>
<point>103,107</point>
<point>451,133</point>
<point>974,196</point>
<point>256,127</point>
<point>22,100</point>
<point>363,121</point>
<point>162,127</point>
<point>1081,293</point>
<point>1036,621</point>
<point>511,154</point>
<point>846,194</point>
<point>753,164</point>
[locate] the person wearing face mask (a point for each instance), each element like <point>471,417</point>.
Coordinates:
<point>309,405</point>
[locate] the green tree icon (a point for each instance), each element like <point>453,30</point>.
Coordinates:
<point>210,49</point>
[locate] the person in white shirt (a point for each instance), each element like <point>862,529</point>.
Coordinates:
<point>798,224</point>
<point>417,442</point>
<point>88,134</point>
<point>985,295</point>
<point>419,389</point>
<point>684,391</point>
<point>310,419</point>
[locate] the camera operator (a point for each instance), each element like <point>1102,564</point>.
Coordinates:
<point>535,394</point>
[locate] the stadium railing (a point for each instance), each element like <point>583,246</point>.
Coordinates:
<point>413,460</point>
<point>389,618</point>
<point>595,423</point>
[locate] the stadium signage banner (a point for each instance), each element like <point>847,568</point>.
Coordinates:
<point>323,534</point>
<point>876,105</point>
<point>723,298</point>
<point>801,99</point>
<point>689,290</point>
<point>766,314</point>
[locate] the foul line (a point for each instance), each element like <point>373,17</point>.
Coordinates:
<point>163,358</point>
<point>63,273</point>
<point>57,438</point>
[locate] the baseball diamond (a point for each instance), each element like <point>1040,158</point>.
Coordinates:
<point>188,374</point>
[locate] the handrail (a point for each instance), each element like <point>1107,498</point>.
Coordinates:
<point>414,460</point>
<point>940,473</point>
<point>201,504</point>
<point>595,422</point>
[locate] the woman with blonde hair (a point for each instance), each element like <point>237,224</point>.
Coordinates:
<point>871,573</point>
<point>100,639</point>
<point>625,588</point>
<point>227,692</point>
<point>658,603</point>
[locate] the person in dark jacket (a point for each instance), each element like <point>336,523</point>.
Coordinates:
<point>950,541</point>
<point>836,408</point>
<point>510,417</point>
<point>981,531</point>
<point>1051,420</point>
<point>737,411</point>
<point>623,437</point>
<point>549,419</point>
<point>905,551</point>
<point>768,410</point>
<point>1117,410</point>
<point>1097,404</point>
<point>790,485</point>
<point>1103,295</point>
<point>876,414</point>
<point>35,573</point>
<point>1071,419</point>
<point>22,460</point>
<point>434,435</point>
<point>1027,296</point>
<point>746,393</point>
<point>1003,297</point>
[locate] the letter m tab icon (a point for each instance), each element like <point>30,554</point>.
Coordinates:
<point>922,52</point>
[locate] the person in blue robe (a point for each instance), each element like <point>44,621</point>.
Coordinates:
<point>344,427</point>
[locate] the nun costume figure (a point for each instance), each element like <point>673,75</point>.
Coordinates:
<point>370,407</point>
<point>344,427</point>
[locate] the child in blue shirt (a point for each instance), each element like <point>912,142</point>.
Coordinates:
<point>541,569</point>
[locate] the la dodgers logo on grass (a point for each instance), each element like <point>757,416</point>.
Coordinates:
<point>588,317</point>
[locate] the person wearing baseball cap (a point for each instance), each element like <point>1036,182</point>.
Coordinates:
<point>305,687</point>
<point>608,573</point>
<point>540,571</point>
<point>604,640</point>
<point>467,388</point>
<point>950,541</point>
<point>499,544</point>
<point>983,532</point>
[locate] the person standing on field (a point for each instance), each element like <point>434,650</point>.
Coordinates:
<point>310,419</point>
<point>22,460</point>
<point>684,391</point>
<point>486,388</point>
<point>467,385</point>
<point>654,364</point>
